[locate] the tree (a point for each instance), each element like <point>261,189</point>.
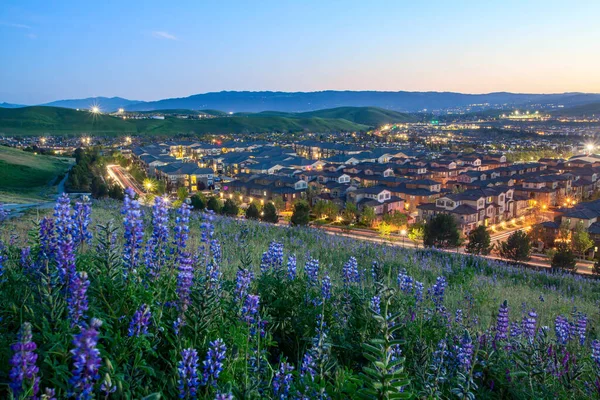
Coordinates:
<point>182,193</point>
<point>350,213</point>
<point>580,240</point>
<point>479,241</point>
<point>596,267</point>
<point>230,208</point>
<point>279,203</point>
<point>116,192</point>
<point>564,259</point>
<point>270,213</point>
<point>384,229</point>
<point>198,202</point>
<point>367,216</point>
<point>213,204</point>
<point>301,214</point>
<point>319,209</point>
<point>517,247</point>
<point>252,211</point>
<point>442,232</point>
<point>416,233</point>
<point>397,219</point>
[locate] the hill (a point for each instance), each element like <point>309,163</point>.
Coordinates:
<point>585,110</point>
<point>232,101</point>
<point>53,120</point>
<point>10,105</point>
<point>27,176</point>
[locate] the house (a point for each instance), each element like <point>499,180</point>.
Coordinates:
<point>186,174</point>
<point>376,197</point>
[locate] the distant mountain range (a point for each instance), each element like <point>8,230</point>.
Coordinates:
<point>231,101</point>
<point>55,120</point>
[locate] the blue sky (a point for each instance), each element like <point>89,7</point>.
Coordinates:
<point>151,49</point>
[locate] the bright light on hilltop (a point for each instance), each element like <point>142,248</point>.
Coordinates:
<point>95,110</point>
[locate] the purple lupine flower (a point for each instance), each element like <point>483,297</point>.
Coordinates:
<point>155,255</point>
<point>207,229</point>
<point>65,252</point>
<point>243,280</point>
<point>250,309</point>
<point>291,267</point>
<point>375,270</point>
<point>26,261</point>
<point>395,354</point>
<point>596,352</point>
<point>309,366</point>
<point>213,365</point>
<point>515,329</point>
<point>581,327</point>
<point>86,361</point>
<point>223,396</point>
<point>141,320</point>
<point>24,370</point>
<point>215,251</point>
<point>375,304</point>
<point>419,292</point>
<point>326,287</point>
<point>48,242</point>
<point>188,374</point>
<point>272,258</point>
<point>182,228</point>
<point>458,317</point>
<point>502,322</point>
<point>562,330</point>
<point>107,387</point>
<point>282,381</point>
<point>465,352</point>
<point>350,272</point>
<point>213,276</point>
<point>82,212</point>
<point>49,394</point>
<point>311,269</point>
<point>185,279</point>
<point>437,291</point>
<point>529,325</point>
<point>405,281</point>
<point>77,301</point>
<point>317,354</point>
<point>134,232</point>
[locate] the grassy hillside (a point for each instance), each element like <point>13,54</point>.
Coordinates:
<point>28,177</point>
<point>371,116</point>
<point>53,120</point>
<point>587,110</point>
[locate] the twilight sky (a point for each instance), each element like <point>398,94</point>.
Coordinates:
<point>153,49</point>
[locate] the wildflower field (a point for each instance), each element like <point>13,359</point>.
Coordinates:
<point>115,300</point>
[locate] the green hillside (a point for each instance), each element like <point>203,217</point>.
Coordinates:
<point>27,176</point>
<point>370,116</point>
<point>587,110</point>
<point>53,120</point>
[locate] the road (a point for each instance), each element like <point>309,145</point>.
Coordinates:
<point>536,261</point>
<point>124,179</point>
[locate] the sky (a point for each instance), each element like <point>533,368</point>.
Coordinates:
<point>151,49</point>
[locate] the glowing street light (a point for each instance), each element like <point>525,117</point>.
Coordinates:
<point>95,110</point>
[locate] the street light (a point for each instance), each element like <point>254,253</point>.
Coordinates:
<point>403,234</point>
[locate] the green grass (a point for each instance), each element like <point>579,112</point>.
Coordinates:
<point>371,116</point>
<point>63,121</point>
<point>27,177</point>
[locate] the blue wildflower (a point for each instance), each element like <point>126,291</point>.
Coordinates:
<point>141,320</point>
<point>188,374</point>
<point>24,369</point>
<point>86,361</point>
<point>213,365</point>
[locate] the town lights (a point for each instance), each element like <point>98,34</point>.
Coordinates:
<point>95,110</point>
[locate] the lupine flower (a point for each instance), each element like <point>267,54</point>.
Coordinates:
<point>282,381</point>
<point>272,258</point>
<point>405,281</point>
<point>140,321</point>
<point>502,322</point>
<point>215,251</point>
<point>376,304</point>
<point>213,276</point>
<point>86,361</point>
<point>326,288</point>
<point>243,280</point>
<point>65,255</point>
<point>185,279</point>
<point>437,291</point>
<point>350,272</point>
<point>562,330</point>
<point>213,365</point>
<point>48,242</point>
<point>458,317</point>
<point>311,269</point>
<point>134,231</point>
<point>529,325</point>
<point>317,354</point>
<point>207,229</point>
<point>250,309</point>
<point>465,352</point>
<point>182,228</point>
<point>155,255</point>
<point>515,329</point>
<point>291,267</point>
<point>419,291</point>
<point>395,354</point>
<point>596,352</point>
<point>49,394</point>
<point>107,386</point>
<point>82,212</point>
<point>77,302</point>
<point>581,328</point>
<point>223,396</point>
<point>26,262</point>
<point>24,369</point>
<point>188,374</point>
<point>376,271</point>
